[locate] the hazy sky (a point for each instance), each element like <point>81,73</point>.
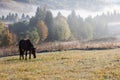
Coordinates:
<point>113,0</point>
<point>84,8</point>
<point>104,6</point>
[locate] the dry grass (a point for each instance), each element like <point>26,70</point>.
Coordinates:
<point>65,65</point>
<point>63,46</point>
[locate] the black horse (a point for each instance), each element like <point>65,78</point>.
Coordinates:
<point>25,46</point>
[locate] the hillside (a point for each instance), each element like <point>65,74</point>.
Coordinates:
<point>64,4</point>
<point>66,65</point>
<point>7,6</point>
<point>15,6</point>
<point>69,4</point>
<point>27,6</point>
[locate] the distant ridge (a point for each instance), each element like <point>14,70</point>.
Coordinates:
<point>13,5</point>
<point>64,4</point>
<point>5,0</point>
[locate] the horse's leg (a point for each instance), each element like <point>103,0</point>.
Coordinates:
<point>25,55</point>
<point>29,54</point>
<point>20,54</point>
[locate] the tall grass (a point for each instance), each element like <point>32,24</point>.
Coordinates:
<point>63,46</point>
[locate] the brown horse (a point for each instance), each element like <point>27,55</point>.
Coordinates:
<point>25,47</point>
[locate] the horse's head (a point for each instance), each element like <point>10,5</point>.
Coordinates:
<point>34,52</point>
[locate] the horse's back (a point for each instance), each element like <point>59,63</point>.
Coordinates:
<point>25,44</point>
<point>22,44</point>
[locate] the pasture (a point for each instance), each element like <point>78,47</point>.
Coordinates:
<point>64,65</point>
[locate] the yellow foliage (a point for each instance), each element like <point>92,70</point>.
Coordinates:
<point>42,30</point>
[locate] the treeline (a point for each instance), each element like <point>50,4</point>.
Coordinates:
<point>13,17</point>
<point>27,1</point>
<point>44,27</point>
<point>10,17</point>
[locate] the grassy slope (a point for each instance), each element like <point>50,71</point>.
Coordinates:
<point>66,65</point>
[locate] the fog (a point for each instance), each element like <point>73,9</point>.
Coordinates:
<point>10,6</point>
<point>65,12</point>
<point>83,8</point>
<point>86,9</point>
<point>85,13</point>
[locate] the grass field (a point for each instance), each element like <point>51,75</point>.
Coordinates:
<point>64,65</point>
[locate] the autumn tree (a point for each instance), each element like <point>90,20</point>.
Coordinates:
<point>2,29</point>
<point>88,28</point>
<point>73,24</point>
<point>61,28</point>
<point>49,20</point>
<point>7,38</point>
<point>80,28</point>
<point>42,30</point>
<point>33,35</point>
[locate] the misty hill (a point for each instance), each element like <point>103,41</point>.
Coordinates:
<point>93,5</point>
<point>26,6</point>
<point>56,4</point>
<point>15,6</point>
<point>68,4</point>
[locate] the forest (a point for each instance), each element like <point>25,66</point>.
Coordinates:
<point>43,27</point>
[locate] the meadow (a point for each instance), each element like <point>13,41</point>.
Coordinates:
<point>64,65</point>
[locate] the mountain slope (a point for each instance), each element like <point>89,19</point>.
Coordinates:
<point>63,4</point>
<point>27,6</point>
<point>12,6</point>
<point>16,6</point>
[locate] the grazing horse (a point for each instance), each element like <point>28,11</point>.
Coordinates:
<point>26,46</point>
